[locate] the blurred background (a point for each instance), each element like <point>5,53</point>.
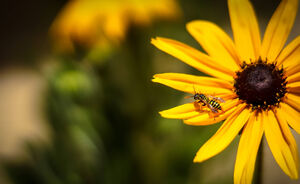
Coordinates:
<point>77,104</point>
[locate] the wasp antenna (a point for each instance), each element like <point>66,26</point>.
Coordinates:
<point>194,89</point>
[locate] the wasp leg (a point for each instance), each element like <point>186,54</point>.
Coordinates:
<point>201,104</point>
<point>198,105</point>
<point>212,111</point>
<point>222,112</point>
<point>211,115</point>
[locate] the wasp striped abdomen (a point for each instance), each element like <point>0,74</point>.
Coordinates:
<point>215,104</point>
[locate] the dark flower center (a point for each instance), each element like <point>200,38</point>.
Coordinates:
<point>261,85</point>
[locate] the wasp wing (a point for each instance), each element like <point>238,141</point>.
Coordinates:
<point>216,98</point>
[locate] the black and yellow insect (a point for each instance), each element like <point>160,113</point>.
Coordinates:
<point>208,100</point>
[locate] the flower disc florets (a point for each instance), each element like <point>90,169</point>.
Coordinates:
<point>260,84</point>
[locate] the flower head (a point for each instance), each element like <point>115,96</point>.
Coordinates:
<point>260,81</point>
<point>104,23</point>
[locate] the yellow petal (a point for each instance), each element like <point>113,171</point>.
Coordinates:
<point>191,84</point>
<point>247,151</point>
<point>216,43</point>
<point>278,29</point>
<point>281,144</point>
<point>292,69</point>
<point>294,78</point>
<point>193,57</point>
<point>293,87</point>
<point>184,111</point>
<point>290,54</point>
<point>293,100</point>
<point>289,58</point>
<point>224,135</point>
<point>245,29</point>
<point>228,108</point>
<point>290,140</point>
<point>290,115</point>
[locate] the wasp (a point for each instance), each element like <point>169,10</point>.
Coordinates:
<point>210,101</point>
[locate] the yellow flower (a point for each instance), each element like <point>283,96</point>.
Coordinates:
<point>103,23</point>
<point>260,82</point>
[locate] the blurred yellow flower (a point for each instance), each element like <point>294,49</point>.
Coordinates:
<point>260,82</point>
<point>104,23</point>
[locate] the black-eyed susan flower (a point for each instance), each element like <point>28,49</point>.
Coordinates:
<point>260,82</point>
<point>102,24</point>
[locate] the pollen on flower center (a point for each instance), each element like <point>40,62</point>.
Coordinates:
<point>260,84</point>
